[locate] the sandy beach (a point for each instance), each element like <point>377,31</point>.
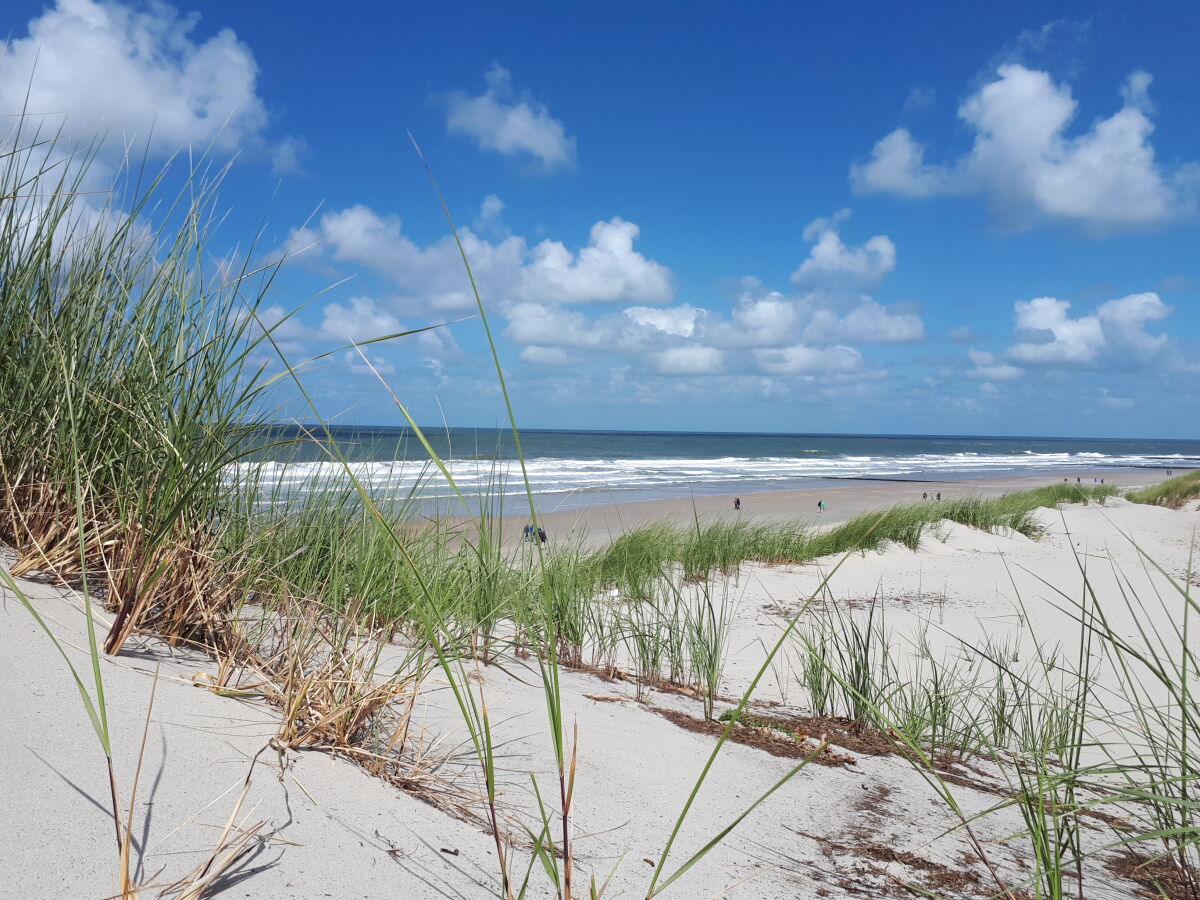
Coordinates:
<point>862,821</point>
<point>598,524</point>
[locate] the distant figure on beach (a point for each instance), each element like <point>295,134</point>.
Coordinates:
<point>820,506</point>
<point>737,503</point>
<point>924,495</point>
<point>541,533</point>
<point>527,534</point>
<point>939,496</point>
<point>1077,481</point>
<point>1168,473</point>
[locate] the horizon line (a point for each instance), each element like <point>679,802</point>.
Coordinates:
<point>814,434</point>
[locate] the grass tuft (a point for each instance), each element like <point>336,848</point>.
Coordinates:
<point>1172,493</point>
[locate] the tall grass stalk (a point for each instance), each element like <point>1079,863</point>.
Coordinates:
<point>706,626</point>
<point>549,668</point>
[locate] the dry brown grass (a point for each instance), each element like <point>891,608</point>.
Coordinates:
<point>338,691</point>
<point>176,588</point>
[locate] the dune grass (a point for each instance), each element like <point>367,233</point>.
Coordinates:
<point>1078,755</point>
<point>639,557</point>
<point>1172,493</point>
<point>124,385</point>
<point>329,548</point>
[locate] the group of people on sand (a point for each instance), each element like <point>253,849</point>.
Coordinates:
<point>925,495</point>
<point>529,533</point>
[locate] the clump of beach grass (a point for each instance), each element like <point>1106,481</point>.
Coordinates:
<point>635,560</point>
<point>126,388</point>
<point>1172,493</point>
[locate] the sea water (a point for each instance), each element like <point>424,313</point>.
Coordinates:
<point>570,469</point>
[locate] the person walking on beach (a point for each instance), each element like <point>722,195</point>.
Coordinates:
<point>737,503</point>
<point>924,495</point>
<point>541,533</point>
<point>939,496</point>
<point>527,534</point>
<point>820,506</point>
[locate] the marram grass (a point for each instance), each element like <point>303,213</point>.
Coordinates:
<point>124,388</point>
<point>1172,493</point>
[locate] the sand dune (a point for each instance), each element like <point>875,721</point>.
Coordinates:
<point>859,824</point>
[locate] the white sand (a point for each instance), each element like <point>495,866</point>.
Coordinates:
<point>334,825</point>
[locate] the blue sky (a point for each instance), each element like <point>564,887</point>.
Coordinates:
<point>701,216</point>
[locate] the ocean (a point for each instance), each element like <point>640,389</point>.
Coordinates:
<point>570,469</point>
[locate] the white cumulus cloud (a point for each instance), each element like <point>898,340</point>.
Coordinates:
<point>766,318</point>
<point>1055,336</point>
<point>1028,165</point>
<point>548,325</point>
<point>135,73</point>
<point>361,320</point>
<point>832,264</point>
<point>508,270</point>
<point>867,322</point>
<point>988,368</point>
<point>1124,323</point>
<point>1113,335</point>
<point>501,121</point>
<point>679,320</point>
<point>608,268</point>
<point>830,306</point>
